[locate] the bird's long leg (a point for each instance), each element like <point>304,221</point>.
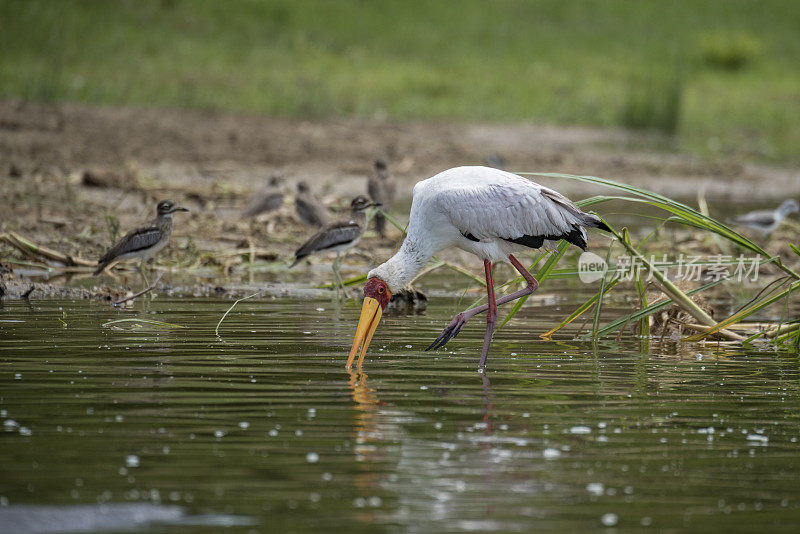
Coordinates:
<point>340,288</point>
<point>454,327</point>
<point>336,276</point>
<point>140,267</point>
<point>533,284</point>
<point>491,315</point>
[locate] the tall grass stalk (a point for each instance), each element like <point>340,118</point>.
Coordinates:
<point>596,323</point>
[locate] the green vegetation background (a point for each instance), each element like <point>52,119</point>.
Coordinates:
<point>718,76</point>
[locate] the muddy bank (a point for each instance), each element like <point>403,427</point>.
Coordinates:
<point>179,147</point>
<point>74,177</point>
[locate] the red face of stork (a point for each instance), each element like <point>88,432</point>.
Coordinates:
<point>376,297</point>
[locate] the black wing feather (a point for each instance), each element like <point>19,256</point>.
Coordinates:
<point>268,201</point>
<point>134,241</point>
<point>327,238</point>
<point>310,211</point>
<point>574,236</point>
<point>766,220</point>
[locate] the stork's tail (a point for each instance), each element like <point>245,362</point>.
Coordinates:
<point>593,221</point>
<point>578,235</point>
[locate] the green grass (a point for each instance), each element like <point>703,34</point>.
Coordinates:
<point>601,62</point>
<point>681,214</point>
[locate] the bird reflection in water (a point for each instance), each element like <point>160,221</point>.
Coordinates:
<point>366,433</point>
<point>431,478</point>
<point>366,420</point>
<point>487,404</point>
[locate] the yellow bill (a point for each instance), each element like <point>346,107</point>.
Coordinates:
<point>371,313</point>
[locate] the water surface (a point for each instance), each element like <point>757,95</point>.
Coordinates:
<point>263,430</point>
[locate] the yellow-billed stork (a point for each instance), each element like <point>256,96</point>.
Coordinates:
<point>488,212</point>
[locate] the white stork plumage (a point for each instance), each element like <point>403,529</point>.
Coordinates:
<point>488,212</point>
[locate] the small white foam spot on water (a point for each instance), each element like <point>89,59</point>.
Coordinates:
<point>551,453</point>
<point>609,520</point>
<point>758,438</point>
<point>132,460</point>
<point>312,457</point>
<point>595,488</point>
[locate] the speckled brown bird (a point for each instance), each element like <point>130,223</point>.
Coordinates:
<point>267,200</point>
<point>310,210</point>
<point>145,241</point>
<point>338,236</point>
<point>381,188</point>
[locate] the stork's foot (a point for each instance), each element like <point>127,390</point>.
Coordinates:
<point>450,331</point>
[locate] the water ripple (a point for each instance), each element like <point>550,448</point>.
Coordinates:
<point>264,422</point>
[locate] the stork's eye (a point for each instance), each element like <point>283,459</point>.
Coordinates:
<point>381,289</point>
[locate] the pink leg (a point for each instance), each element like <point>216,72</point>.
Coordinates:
<point>452,329</point>
<point>491,315</point>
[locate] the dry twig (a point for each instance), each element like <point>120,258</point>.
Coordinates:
<point>34,250</point>
<point>142,292</point>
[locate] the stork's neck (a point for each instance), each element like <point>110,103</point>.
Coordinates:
<point>401,268</point>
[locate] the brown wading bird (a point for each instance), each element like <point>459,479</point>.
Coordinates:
<point>488,212</point>
<point>267,200</point>
<point>143,242</point>
<point>338,236</point>
<point>765,221</point>
<point>381,189</point>
<point>310,210</point>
